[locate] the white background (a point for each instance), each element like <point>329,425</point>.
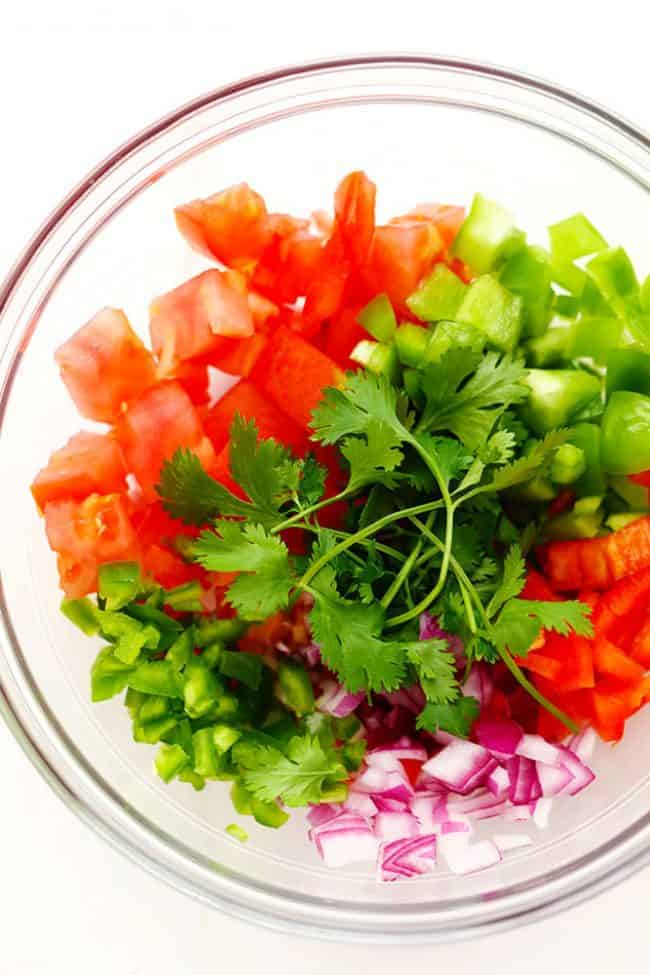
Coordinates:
<point>76,79</point>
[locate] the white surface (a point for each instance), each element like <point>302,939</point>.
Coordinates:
<point>76,79</point>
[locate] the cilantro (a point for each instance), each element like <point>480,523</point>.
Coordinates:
<point>528,466</point>
<point>297,778</point>
<point>456,717</point>
<point>521,621</point>
<point>374,459</point>
<point>263,468</point>
<point>436,668</point>
<point>191,495</point>
<point>312,482</point>
<point>451,455</point>
<point>364,401</point>
<point>469,407</point>
<point>512,581</point>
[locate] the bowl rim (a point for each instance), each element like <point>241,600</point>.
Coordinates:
<point>637,854</point>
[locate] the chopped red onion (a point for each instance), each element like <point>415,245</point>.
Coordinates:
<point>345,839</point>
<point>582,775</point>
<point>478,856</point>
<point>406,858</point>
<point>461,766</point>
<point>337,700</point>
<point>391,826</point>
<point>553,780</point>
<point>498,781</point>
<point>499,735</point>
<point>322,813</point>
<point>389,805</point>
<point>538,749</point>
<point>542,812</point>
<point>505,842</point>
<point>519,814</point>
<point>430,630</point>
<point>402,748</point>
<point>583,744</point>
<point>388,783</point>
<point>524,782</point>
<point>479,684</point>
<point>361,803</point>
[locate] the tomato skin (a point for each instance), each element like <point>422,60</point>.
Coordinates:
<point>401,254</point>
<point>186,322</point>
<point>154,427</point>
<point>247,400</point>
<point>354,216</point>
<point>89,463</point>
<point>446,219</point>
<point>104,366</point>
<point>643,478</point>
<point>343,333</point>
<point>536,587</point>
<point>232,226</point>
<point>597,563</point>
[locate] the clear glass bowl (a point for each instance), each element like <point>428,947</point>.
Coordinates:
<point>424,128</point>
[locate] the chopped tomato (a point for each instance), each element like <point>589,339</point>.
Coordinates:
<point>90,463</point>
<point>232,226</point>
<point>105,366</point>
<point>400,256</point>
<point>221,472</point>
<point>536,587</point>
<point>643,478</point>
<point>289,262</point>
<point>185,322</point>
<point>610,661</point>
<point>354,216</point>
<point>87,533</point>
<point>597,563</point>
<point>245,399</point>
<point>628,597</point>
<point>614,703</point>
<point>447,219</point>
<point>561,503</point>
<point>640,645</point>
<point>154,427</point>
<point>240,356</point>
<point>153,524</point>
<point>326,290</point>
<point>167,568</point>
<point>343,333</point>
<point>574,653</point>
<point>412,768</point>
<point>294,375</point>
<point>537,663</point>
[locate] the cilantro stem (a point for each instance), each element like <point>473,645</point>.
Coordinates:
<point>371,529</point>
<point>431,596</point>
<point>380,546</point>
<point>405,570</point>
<point>312,509</point>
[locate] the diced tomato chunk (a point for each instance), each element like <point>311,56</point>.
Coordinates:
<point>574,653</point>
<point>611,661</point>
<point>246,399</point>
<point>241,355</point>
<point>643,478</point>
<point>105,366</point>
<point>628,597</point>
<point>400,256</point>
<point>185,322</point>
<point>343,333</point>
<point>446,219</point>
<point>412,768</point>
<point>597,563</point>
<point>232,225</point>
<point>90,463</point>
<point>536,587</point>
<point>154,427</point>
<point>167,568</point>
<point>354,216</point>
<point>640,645</point>
<point>294,375</point>
<point>76,578</point>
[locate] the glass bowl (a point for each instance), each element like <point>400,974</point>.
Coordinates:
<point>424,128</point>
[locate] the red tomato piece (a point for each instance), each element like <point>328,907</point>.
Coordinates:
<point>221,472</point>
<point>105,365</point>
<point>447,219</point>
<point>627,598</point>
<point>536,587</point>
<point>90,463</point>
<point>597,563</point>
<point>241,355</point>
<point>185,322</point>
<point>152,524</point>
<point>412,768</point>
<point>325,292</point>
<point>643,478</point>
<point>400,256</point>
<point>246,399</point>
<point>232,226</point>
<point>561,503</point>
<point>537,663</point>
<point>294,375</point>
<point>76,578</point>
<point>343,334</point>
<point>154,427</point>
<point>354,216</point>
<point>610,661</point>
<point>167,568</point>
<point>574,653</point>
<point>640,647</point>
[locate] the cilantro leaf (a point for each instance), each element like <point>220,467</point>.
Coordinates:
<point>451,455</point>
<point>455,717</point>
<point>296,778</point>
<point>350,637</point>
<point>499,449</point>
<point>528,466</point>
<point>470,410</point>
<point>512,581</point>
<point>191,495</point>
<point>521,621</point>
<point>373,459</point>
<point>312,482</point>
<point>436,669</point>
<point>364,401</point>
<point>263,468</point>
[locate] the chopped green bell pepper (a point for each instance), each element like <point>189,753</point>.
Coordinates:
<point>494,311</point>
<point>571,524</point>
<point>83,613</point>
<point>241,799</point>
<point>569,277</point>
<point>628,369</point>
<point>568,464</point>
<point>573,238</point>
<point>452,335</point>
<point>644,295</point>
<point>185,598</point>
<point>634,495</point>
<point>528,274</point>
<point>201,688</point>
<point>377,358</point>
<point>237,833</point>
<point>487,234</point>
<point>439,296</point>
<point>295,690</point>
<point>268,813</point>
<point>119,583</point>
<point>586,436</point>
<point>181,649</point>
<point>378,318</point>
<point>169,761</point>
<point>550,349</point>
<point>556,396</point>
<point>227,631</point>
<point>625,445</point>
<point>624,518</point>
<point>595,338</point>
<point>614,275</point>
<point>108,676</point>
<point>411,343</point>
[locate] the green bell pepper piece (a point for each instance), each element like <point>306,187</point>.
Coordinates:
<point>83,613</point>
<point>185,598</point>
<point>352,755</point>
<point>119,583</point>
<point>268,813</point>
<point>206,760</point>
<point>282,728</point>
<point>592,303</point>
<point>227,631</point>
<point>528,274</point>
<point>237,833</point>
<point>573,238</point>
<point>337,791</point>
<point>569,277</point>
<point>550,349</point>
<point>156,677</point>
<point>378,318</point>
<point>452,335</point>
<point>567,306</point>
<point>625,445</point>
<point>586,437</point>
<point>225,736</point>
<point>439,296</point>
<point>589,505</point>
<point>201,688</point>
<point>494,311</point>
<point>377,358</point>
<point>129,635</point>
<point>644,295</point>
<point>108,675</point>
<point>345,728</point>
<point>244,667</point>
<point>624,518</point>
<point>294,688</point>
<point>241,799</point>
<point>151,615</point>
<point>628,369</point>
<point>169,761</point>
<point>595,338</point>
<point>539,489</point>
<point>634,495</point>
<point>557,395</point>
<point>487,234</point>
<point>189,775</point>
<point>568,464</point>
<point>180,652</point>
<point>614,275</point>
<point>571,525</point>
<point>212,654</point>
<point>411,343</point>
